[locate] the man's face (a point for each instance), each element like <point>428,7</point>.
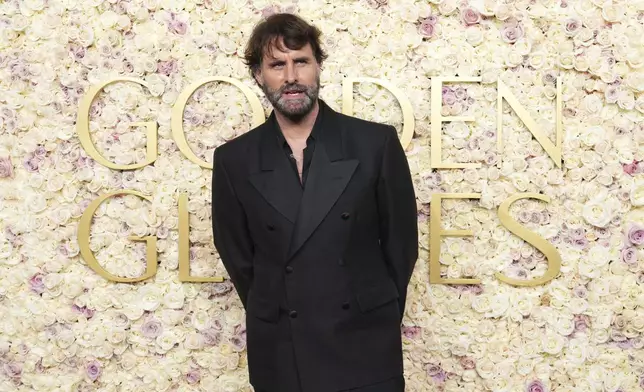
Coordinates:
<point>290,80</point>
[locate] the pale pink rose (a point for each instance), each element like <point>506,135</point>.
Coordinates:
<point>572,26</point>
<point>211,337</point>
<point>178,27</point>
<point>269,10</point>
<point>448,97</point>
<point>536,386</point>
<point>36,284</point>
<point>167,67</point>
<point>13,370</point>
<point>580,292</point>
<point>470,16</point>
<point>611,93</point>
<point>433,369</point>
<point>426,29</point>
<point>629,255</point>
<point>630,168</point>
<point>468,363</point>
<point>93,370</point>
<point>636,234</point>
<point>193,376</point>
<point>6,167</point>
<point>411,332</point>
<point>152,329</point>
<point>511,33</point>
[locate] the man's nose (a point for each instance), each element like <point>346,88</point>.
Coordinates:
<point>291,73</point>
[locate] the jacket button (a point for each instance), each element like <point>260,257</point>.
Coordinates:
<point>345,215</point>
<point>292,313</point>
<point>289,269</point>
<point>346,306</point>
<point>341,261</point>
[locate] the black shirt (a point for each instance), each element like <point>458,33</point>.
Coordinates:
<point>307,152</point>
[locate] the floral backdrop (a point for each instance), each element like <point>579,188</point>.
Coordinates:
<point>63,327</point>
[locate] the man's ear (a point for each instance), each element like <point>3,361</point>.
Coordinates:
<point>257,75</point>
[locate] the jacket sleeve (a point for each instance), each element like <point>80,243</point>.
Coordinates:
<point>230,231</point>
<point>398,215</point>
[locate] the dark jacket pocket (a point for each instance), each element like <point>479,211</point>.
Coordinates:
<point>264,309</point>
<point>373,297</point>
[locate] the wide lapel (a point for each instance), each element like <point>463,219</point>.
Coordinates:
<point>328,177</point>
<point>276,182</point>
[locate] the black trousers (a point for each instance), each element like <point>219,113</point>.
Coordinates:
<point>396,384</point>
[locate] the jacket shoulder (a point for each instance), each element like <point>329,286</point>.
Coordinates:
<point>376,132</point>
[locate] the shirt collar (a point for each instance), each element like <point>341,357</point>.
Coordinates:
<point>315,132</point>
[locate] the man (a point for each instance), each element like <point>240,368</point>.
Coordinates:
<point>314,218</point>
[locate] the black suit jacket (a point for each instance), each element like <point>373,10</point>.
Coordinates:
<point>322,271</point>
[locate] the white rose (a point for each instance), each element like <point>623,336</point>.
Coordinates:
<point>474,35</point>
<point>194,341</point>
<point>637,190</point>
<point>598,213</point>
<point>485,368</point>
<point>175,298</point>
<point>167,340</point>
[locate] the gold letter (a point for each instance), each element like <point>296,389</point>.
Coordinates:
<point>184,246</point>
<point>436,232</point>
<point>83,241</point>
<point>180,106</point>
<point>554,259</point>
<point>437,120</point>
<point>82,127</point>
<point>553,150</point>
<point>405,105</point>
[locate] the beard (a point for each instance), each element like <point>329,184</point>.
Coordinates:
<point>293,108</point>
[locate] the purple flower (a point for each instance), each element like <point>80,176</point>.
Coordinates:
<point>468,363</point>
<point>535,386</point>
<point>152,328</point>
<point>13,370</point>
<point>582,322</point>
<point>411,332</point>
<point>36,284</point>
<point>93,370</point>
<point>580,243</point>
<point>636,234</point>
<point>511,33</point>
<point>211,337</point>
<point>572,26</point>
<point>577,233</point>
<point>238,343</point>
<point>433,370</point>
<point>6,167</point>
<point>426,29</point>
<point>178,27</point>
<point>269,10</point>
<point>449,98</point>
<point>193,376</point>
<point>32,163</point>
<point>470,16</point>
<point>440,377</point>
<point>629,255</point>
<point>626,344</point>
<point>476,289</point>
<point>580,292</point>
<point>167,67</point>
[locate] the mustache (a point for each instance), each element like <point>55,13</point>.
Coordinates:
<point>296,88</point>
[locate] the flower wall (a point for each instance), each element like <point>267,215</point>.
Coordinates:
<point>64,327</point>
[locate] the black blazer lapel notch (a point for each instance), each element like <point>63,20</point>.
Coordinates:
<point>276,181</point>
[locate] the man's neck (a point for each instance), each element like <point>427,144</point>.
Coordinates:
<point>300,129</point>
